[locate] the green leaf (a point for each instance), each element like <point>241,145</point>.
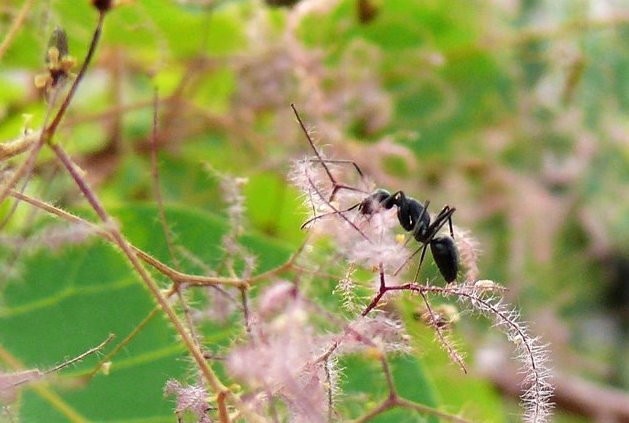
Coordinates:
<point>69,301</point>
<point>364,387</point>
<point>454,389</point>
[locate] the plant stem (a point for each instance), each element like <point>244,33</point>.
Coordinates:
<point>117,237</point>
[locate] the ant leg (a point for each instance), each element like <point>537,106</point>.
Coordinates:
<point>423,247</point>
<point>450,225</point>
<point>445,215</point>
<point>336,186</point>
<point>312,219</point>
<point>421,260</point>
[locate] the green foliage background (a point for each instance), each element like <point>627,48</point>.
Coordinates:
<point>514,112</point>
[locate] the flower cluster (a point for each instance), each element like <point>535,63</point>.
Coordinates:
<point>279,358</point>
<point>369,240</point>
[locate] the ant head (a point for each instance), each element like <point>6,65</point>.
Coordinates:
<point>380,198</point>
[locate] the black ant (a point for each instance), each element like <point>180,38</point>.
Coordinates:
<point>411,214</point>
<point>414,218</point>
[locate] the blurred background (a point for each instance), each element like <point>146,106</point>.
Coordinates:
<point>515,112</point>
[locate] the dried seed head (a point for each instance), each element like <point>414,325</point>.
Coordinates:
<point>59,63</point>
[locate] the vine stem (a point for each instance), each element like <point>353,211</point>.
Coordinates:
<point>117,237</point>
<point>176,276</point>
<point>52,128</point>
<point>223,394</point>
<point>15,26</point>
<point>46,136</point>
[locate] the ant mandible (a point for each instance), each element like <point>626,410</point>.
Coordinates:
<point>412,216</point>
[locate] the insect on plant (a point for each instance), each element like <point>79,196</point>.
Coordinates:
<point>414,218</point>
<point>412,215</point>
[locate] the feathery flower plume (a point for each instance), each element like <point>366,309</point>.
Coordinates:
<point>532,355</point>
<point>279,359</point>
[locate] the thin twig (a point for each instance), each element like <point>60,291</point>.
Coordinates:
<point>15,27</point>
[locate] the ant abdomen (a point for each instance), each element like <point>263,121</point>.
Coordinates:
<point>446,257</point>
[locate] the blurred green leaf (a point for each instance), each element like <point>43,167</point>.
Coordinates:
<point>70,300</point>
<point>365,388</point>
